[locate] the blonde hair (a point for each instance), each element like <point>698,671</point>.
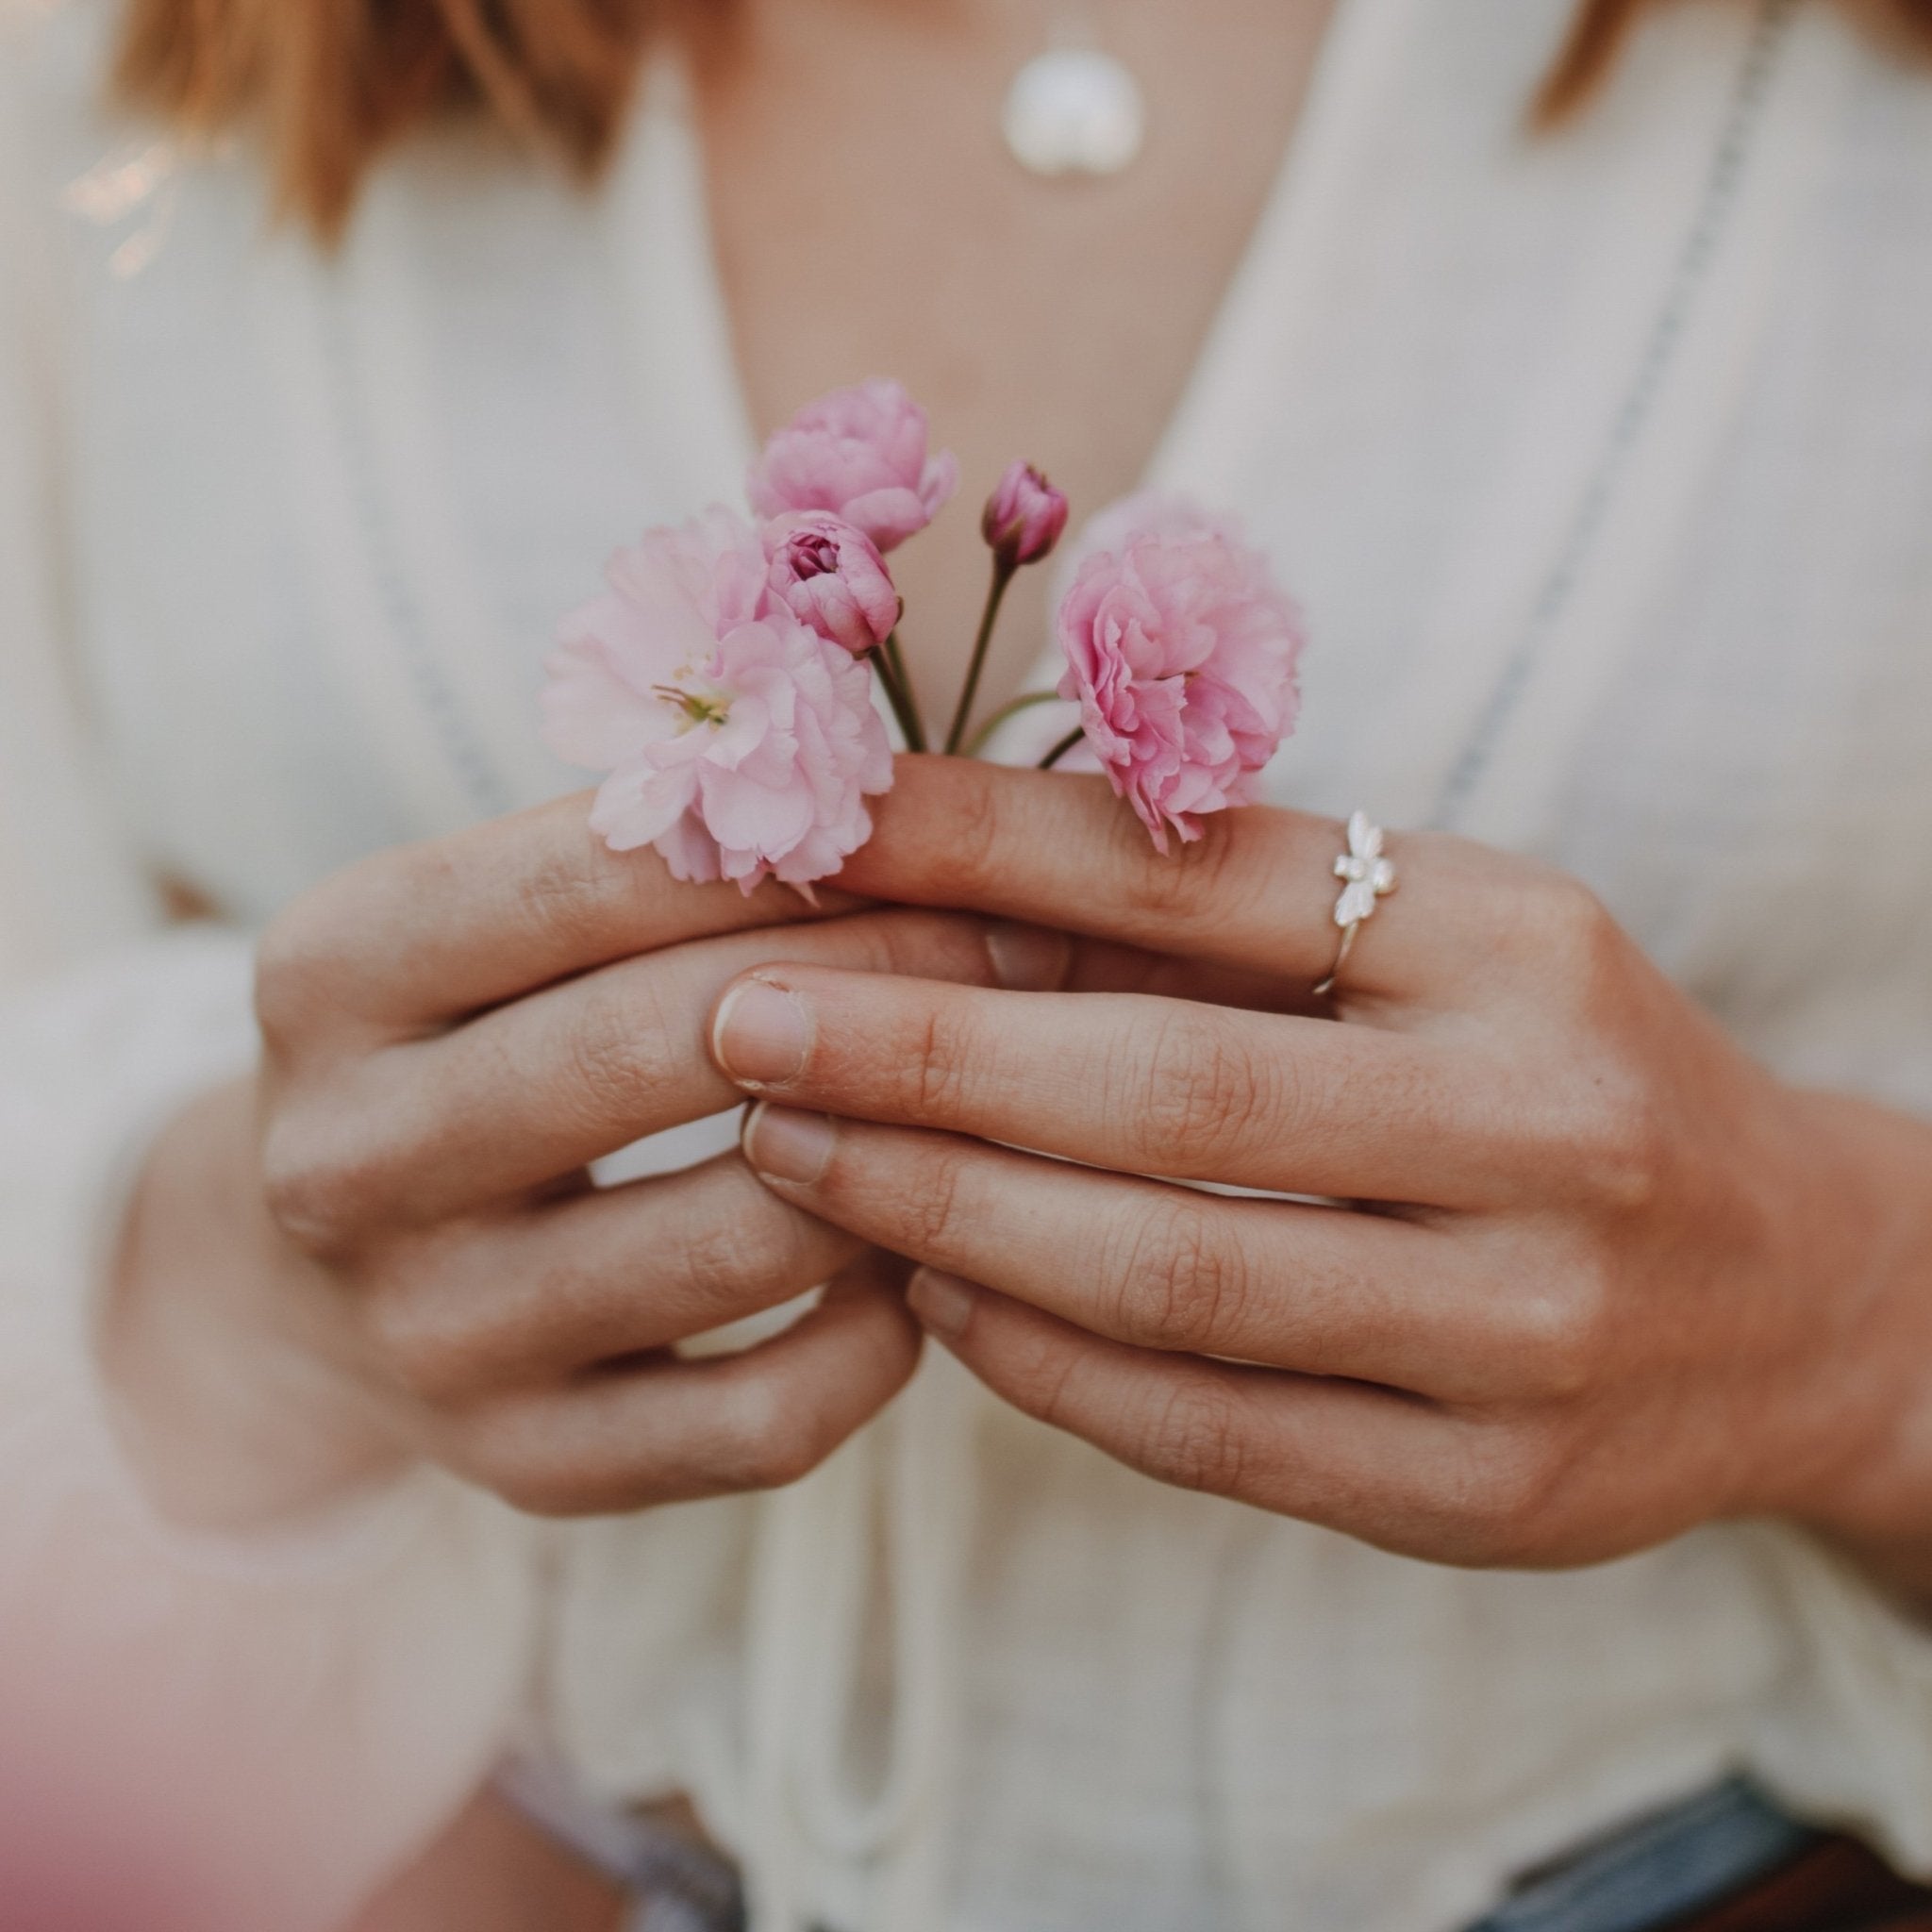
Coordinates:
<point>1601,28</point>
<point>331,83</point>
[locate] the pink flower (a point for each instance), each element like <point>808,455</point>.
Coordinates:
<point>1181,650</point>
<point>1023,517</point>
<point>738,741</point>
<point>1145,513</point>
<point>861,454</point>
<point>830,575</point>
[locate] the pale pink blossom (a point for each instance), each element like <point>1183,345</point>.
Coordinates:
<point>738,741</point>
<point>829,574</point>
<point>1181,650</point>
<point>1145,513</point>
<point>861,453</point>
<point>1023,517</point>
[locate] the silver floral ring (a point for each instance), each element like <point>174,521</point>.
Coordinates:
<point>1368,879</point>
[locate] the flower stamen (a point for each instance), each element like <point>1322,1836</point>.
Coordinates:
<point>711,708</point>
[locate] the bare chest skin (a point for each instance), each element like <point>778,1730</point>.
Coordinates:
<point>869,220</point>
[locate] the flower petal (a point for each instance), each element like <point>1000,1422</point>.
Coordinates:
<point>638,803</point>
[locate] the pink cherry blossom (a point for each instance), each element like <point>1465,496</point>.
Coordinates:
<point>1023,517</point>
<point>738,741</point>
<point>1145,513</point>
<point>829,574</point>
<point>1181,650</point>
<point>861,454</point>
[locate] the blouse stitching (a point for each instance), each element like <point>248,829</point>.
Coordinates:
<point>1730,161</point>
<point>477,775</point>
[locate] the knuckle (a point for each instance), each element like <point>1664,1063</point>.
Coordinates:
<point>315,1188</point>
<point>1616,1144</point>
<point>614,1046</point>
<point>307,970</point>
<point>779,1463</point>
<point>510,1448</point>
<point>1190,878</point>
<point>431,1350</point>
<point>569,890</point>
<point>1560,1338</point>
<point>297,971</point>
<point>1196,1441</point>
<point>1569,931</point>
<point>931,1211</point>
<point>1183,1282</point>
<point>1508,1500</point>
<point>936,1070</point>
<point>724,1254</point>
<point>1203,1088</point>
<point>763,1441</point>
<point>976,853</point>
<point>1039,1379</point>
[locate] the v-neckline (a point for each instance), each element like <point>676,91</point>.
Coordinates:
<point>689,402</point>
<point>680,316</point>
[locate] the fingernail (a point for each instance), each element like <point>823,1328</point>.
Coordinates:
<point>943,1303</point>
<point>787,1145</point>
<point>762,1033</point>
<point>1027,959</point>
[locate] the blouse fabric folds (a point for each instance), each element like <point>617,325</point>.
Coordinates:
<point>1603,463</point>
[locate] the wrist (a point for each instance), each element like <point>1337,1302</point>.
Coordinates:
<point>1863,1481</point>
<point>221,1347</point>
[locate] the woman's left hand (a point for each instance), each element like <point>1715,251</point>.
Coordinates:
<point>1582,1274</point>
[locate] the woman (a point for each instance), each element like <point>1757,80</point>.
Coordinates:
<point>1576,1471</point>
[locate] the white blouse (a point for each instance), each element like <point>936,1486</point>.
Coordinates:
<point>1603,466</point>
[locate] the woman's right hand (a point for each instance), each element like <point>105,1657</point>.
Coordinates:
<point>385,1244</point>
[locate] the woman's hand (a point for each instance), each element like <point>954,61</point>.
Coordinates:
<point>1586,1275</point>
<point>386,1246</point>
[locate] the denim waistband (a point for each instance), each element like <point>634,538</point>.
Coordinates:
<point>1668,1864</point>
<point>678,1886</point>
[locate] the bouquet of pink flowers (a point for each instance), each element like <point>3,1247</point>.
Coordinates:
<point>723,682</point>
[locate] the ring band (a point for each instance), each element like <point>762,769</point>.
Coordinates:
<point>1367,878</point>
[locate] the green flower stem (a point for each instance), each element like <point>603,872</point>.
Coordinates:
<point>891,667</point>
<point>977,743</point>
<point>1003,575</point>
<point>1062,748</point>
<point>901,671</point>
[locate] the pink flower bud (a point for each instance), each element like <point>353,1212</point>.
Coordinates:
<point>1023,517</point>
<point>830,575</point>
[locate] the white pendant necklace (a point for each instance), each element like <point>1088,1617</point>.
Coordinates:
<point>1074,111</point>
